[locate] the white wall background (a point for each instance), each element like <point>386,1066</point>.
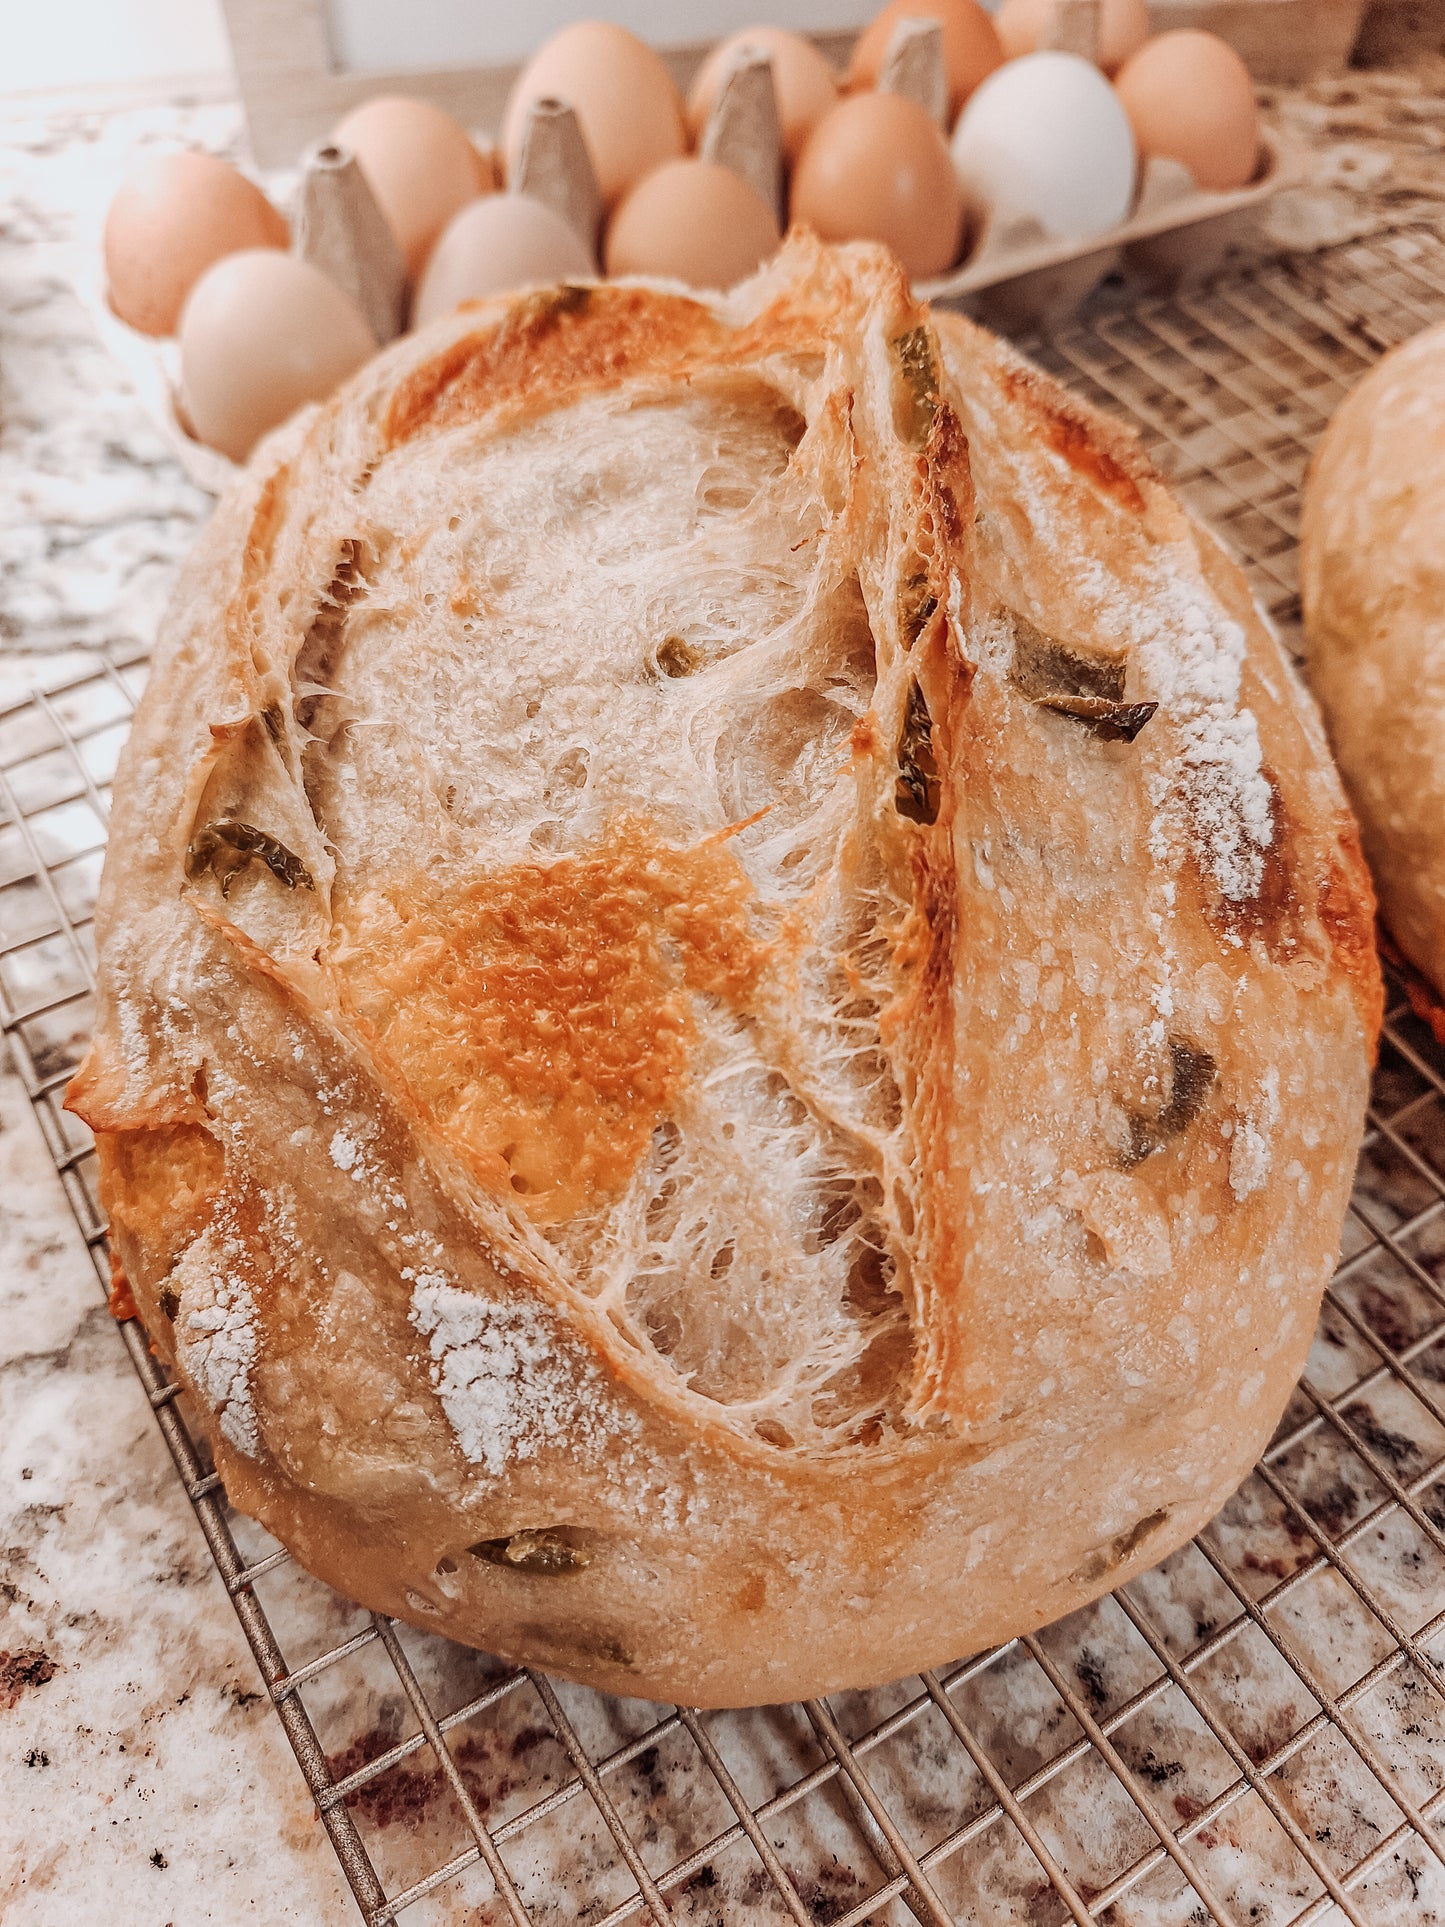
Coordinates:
<point>426,33</point>
<point>422,33</point>
<point>48,44</point>
<point>75,43</point>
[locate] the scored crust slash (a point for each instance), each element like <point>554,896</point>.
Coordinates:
<point>735,995</point>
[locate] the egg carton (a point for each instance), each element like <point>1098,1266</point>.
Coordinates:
<point>153,369</point>
<point>1017,278</point>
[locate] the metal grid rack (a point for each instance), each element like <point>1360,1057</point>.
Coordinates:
<point>1253,1732</point>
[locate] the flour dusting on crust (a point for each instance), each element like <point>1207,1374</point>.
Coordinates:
<point>1190,655</point>
<point>1251,1153</point>
<point>1191,662</point>
<point>502,1384</point>
<point>216,1334</point>
<point>1192,659</point>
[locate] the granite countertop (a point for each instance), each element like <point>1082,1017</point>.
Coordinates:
<point>141,1771</point>
<point>143,1775</point>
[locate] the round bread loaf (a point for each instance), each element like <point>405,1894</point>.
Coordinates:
<point>736,991</point>
<point>1372,573</point>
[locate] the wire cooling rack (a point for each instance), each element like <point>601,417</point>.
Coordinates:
<point>1253,1732</point>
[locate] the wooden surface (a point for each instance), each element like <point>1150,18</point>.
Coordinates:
<point>293,94</point>
<point>1282,40</point>
<point>1396,31</point>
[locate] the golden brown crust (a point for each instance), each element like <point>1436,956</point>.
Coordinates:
<point>571,980</point>
<point>1374,604</point>
<point>730,961</point>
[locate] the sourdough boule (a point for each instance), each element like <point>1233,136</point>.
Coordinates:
<point>735,991</point>
<point>1372,577</point>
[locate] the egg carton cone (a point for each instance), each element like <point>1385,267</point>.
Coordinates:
<point>913,66</point>
<point>1074,27</point>
<point>744,132</point>
<point>339,228</point>
<point>554,167</point>
<point>1017,278</point>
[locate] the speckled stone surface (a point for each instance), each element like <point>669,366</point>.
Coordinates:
<point>143,1778</point>
<point>94,513</point>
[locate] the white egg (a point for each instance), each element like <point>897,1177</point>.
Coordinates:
<point>1046,136</point>
<point>501,242</point>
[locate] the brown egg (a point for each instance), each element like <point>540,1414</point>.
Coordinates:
<point>262,333</point>
<point>1189,96</point>
<point>805,84</point>
<point>693,221</point>
<point>500,242</point>
<point>1123,29</point>
<point>418,163</point>
<point>878,169</point>
<point>169,221</point>
<point>971,47</point>
<point>626,103</point>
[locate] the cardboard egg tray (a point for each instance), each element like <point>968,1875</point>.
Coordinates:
<point>153,369</point>
<point>1014,277</point>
